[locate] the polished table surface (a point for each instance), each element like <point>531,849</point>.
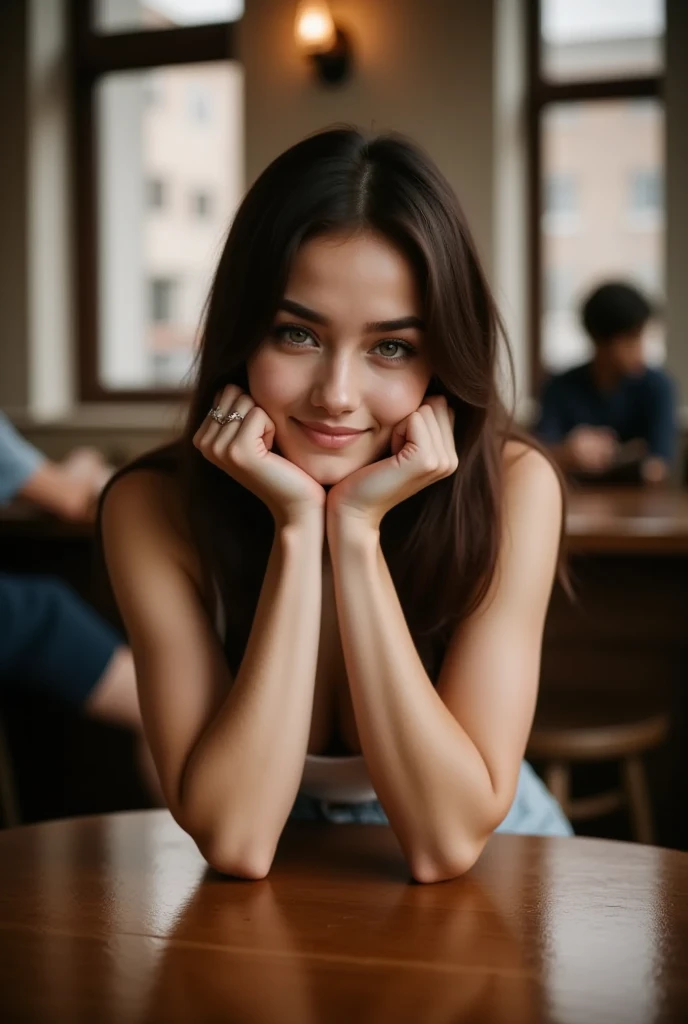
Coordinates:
<point>117,918</point>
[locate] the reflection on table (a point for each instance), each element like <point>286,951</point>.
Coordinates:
<point>117,918</point>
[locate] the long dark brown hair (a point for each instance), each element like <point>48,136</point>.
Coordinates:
<point>441,545</point>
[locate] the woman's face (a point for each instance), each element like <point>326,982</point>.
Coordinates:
<point>346,350</point>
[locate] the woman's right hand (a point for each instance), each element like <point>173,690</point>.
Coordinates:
<point>242,450</point>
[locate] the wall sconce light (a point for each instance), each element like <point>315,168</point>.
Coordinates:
<point>322,41</point>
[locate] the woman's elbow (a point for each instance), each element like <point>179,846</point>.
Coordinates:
<point>428,868</point>
<point>228,859</point>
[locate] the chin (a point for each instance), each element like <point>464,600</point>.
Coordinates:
<point>326,469</point>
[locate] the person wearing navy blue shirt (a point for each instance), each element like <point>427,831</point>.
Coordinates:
<point>613,417</point>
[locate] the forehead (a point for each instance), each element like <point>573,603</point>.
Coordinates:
<point>360,275</point>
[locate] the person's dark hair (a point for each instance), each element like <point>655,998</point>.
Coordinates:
<point>613,310</point>
<point>441,545</point>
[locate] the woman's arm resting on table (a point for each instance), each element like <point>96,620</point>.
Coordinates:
<point>445,761</point>
<point>229,757</point>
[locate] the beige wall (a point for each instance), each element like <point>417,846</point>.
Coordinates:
<point>423,67</point>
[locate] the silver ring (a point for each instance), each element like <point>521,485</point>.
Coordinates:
<point>216,414</point>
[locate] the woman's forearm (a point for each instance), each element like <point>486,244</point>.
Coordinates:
<point>241,780</point>
<point>427,772</point>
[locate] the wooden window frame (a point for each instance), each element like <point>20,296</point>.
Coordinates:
<point>94,55</point>
<point>541,94</point>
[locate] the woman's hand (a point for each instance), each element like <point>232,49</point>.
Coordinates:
<point>423,451</point>
<point>242,449</point>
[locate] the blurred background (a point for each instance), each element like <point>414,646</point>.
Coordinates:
<point>130,133</point>
<point>132,129</point>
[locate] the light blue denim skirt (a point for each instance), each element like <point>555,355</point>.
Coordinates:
<point>534,811</point>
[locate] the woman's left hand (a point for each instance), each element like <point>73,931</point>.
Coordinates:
<point>423,451</point>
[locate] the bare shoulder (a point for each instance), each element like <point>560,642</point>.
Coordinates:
<point>531,483</point>
<point>144,509</point>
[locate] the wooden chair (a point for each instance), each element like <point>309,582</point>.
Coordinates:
<point>586,726</point>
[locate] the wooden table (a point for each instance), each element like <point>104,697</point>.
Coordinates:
<point>117,919</point>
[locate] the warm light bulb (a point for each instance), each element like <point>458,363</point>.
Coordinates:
<point>314,28</point>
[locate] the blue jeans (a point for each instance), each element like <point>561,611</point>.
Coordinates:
<point>534,810</point>
<point>50,640</point>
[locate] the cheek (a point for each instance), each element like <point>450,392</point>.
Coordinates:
<point>400,396</point>
<point>272,383</point>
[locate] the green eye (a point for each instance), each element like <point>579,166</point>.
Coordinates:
<point>297,334</point>
<point>292,335</point>
<point>402,351</point>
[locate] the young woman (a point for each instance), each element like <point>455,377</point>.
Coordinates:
<point>335,584</point>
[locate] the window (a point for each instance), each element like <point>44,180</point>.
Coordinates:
<point>585,40</point>
<point>596,150</point>
<point>559,288</point>
<point>155,193</point>
<point>560,194</point>
<point>143,271</point>
<point>161,299</point>
<point>646,191</point>
<point>560,203</point>
<point>148,15</point>
<point>201,204</point>
<point>200,105</point>
<point>153,91</point>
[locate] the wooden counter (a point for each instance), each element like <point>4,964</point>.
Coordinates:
<point>630,521</point>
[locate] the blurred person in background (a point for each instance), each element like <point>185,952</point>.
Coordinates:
<point>69,489</point>
<point>612,418</point>
<point>51,641</point>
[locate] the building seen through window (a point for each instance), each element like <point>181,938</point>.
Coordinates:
<point>601,167</point>
<point>165,201</point>
<point>159,166</point>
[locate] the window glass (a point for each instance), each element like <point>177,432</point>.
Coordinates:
<point>602,214</point>
<point>589,39</point>
<point>158,248</point>
<point>134,15</point>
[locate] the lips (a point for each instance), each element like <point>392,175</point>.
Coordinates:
<point>330,437</point>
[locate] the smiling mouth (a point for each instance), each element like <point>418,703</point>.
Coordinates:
<point>331,441</point>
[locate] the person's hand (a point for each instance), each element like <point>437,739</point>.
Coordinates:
<point>423,451</point>
<point>242,450</point>
<point>654,470</point>
<point>591,449</point>
<point>89,465</point>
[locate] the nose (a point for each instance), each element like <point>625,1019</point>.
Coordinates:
<point>336,389</point>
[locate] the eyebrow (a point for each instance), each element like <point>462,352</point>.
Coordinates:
<point>402,323</point>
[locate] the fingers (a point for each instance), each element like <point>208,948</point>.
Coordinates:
<point>439,419</point>
<point>225,401</point>
<point>238,442</point>
<point>212,438</point>
<point>242,404</point>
